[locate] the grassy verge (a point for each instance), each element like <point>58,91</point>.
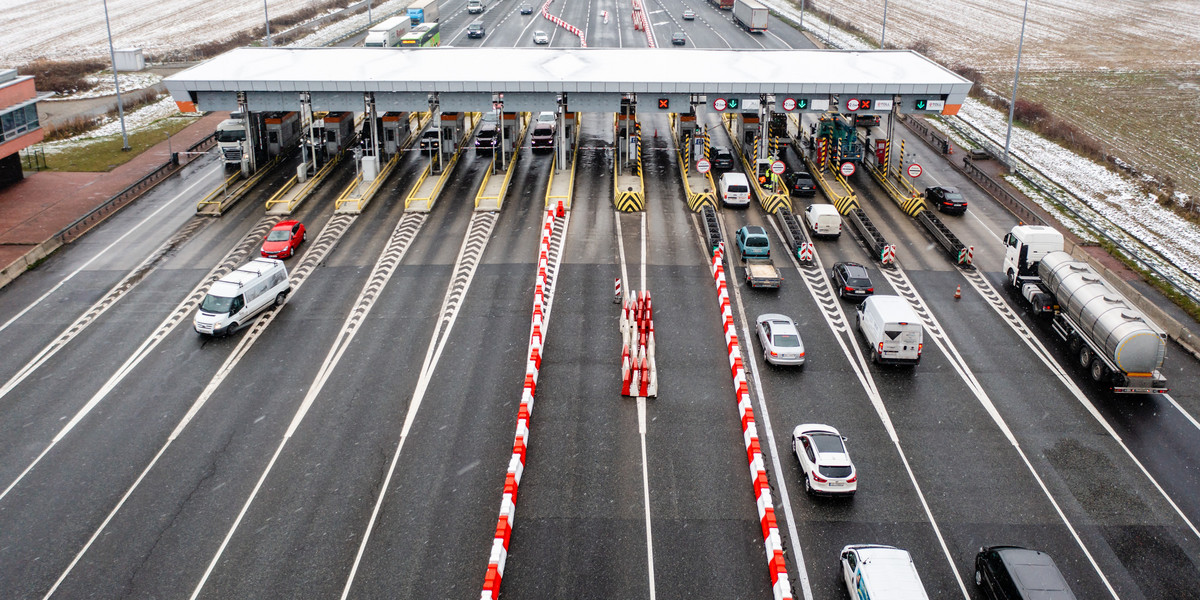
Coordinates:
<point>104,154</point>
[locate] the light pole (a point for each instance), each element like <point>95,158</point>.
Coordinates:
<point>267,21</point>
<point>1012,104</point>
<point>883,33</point>
<point>112,55</point>
<point>369,19</point>
<point>801,17</point>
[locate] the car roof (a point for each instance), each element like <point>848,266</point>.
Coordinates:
<point>286,224</point>
<point>754,230</point>
<point>854,269</point>
<point>1034,571</point>
<point>814,428</point>
<point>775,318</point>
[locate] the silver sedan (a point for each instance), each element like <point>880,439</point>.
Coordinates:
<point>780,340</point>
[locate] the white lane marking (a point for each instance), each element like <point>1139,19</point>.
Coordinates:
<point>967,375</point>
<point>641,405</point>
<point>168,325</point>
<point>99,254</point>
<point>843,333</point>
<point>998,237</point>
<point>1044,354</point>
<point>643,267</point>
<point>432,356</point>
<point>1182,411</point>
<point>621,252</point>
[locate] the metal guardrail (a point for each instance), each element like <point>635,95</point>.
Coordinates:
<point>1023,170</point>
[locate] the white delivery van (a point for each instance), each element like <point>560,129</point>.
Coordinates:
<point>238,296</point>
<point>823,220</point>
<point>891,329</point>
<point>875,572</point>
<point>735,189</point>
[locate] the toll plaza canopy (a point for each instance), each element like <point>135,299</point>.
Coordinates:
<point>585,79</point>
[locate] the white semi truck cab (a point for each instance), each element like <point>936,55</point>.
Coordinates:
<point>231,139</point>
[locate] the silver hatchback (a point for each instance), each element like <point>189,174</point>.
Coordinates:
<point>780,340</point>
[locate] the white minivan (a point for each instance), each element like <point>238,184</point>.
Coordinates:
<point>891,329</point>
<point>735,189</point>
<point>243,293</point>
<point>877,572</point>
<point>823,220</point>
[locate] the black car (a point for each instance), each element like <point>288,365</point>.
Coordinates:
<point>527,9</point>
<point>946,199</point>
<point>851,280</point>
<point>1014,573</point>
<point>721,157</point>
<point>487,138</point>
<point>475,30</point>
<point>800,183</point>
<point>678,38</point>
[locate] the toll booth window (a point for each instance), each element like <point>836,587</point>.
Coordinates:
<point>331,136</point>
<point>273,137</point>
<point>389,135</point>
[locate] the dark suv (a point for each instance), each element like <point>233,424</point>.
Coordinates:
<point>800,183</point>
<point>430,139</point>
<point>475,30</point>
<point>947,199</point>
<point>721,157</point>
<point>1014,573</point>
<point>487,138</point>
<point>852,281</point>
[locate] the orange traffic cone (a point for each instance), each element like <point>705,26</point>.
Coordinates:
<point>958,292</point>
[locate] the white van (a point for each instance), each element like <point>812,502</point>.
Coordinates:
<point>875,572</point>
<point>891,329</point>
<point>238,296</point>
<point>735,189</point>
<point>822,220</point>
<point>475,7</point>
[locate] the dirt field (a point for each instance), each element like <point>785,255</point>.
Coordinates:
<point>1127,72</point>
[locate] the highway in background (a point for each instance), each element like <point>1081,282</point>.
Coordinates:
<point>310,458</point>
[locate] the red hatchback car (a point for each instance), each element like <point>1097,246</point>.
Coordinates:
<point>283,239</point>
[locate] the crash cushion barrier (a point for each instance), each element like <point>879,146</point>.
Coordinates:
<point>639,371</point>
<point>561,23</point>
<point>631,201</point>
<point>543,296</point>
<point>776,565</point>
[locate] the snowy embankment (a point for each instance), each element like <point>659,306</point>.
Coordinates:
<point>1128,213</point>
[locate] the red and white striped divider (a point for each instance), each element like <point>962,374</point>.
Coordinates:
<point>639,373</point>
<point>561,23</point>
<point>806,251</point>
<point>516,464</point>
<point>888,256</point>
<point>641,22</point>
<point>776,564</point>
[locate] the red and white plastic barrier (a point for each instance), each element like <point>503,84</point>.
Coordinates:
<point>542,301</point>
<point>640,22</point>
<point>561,23</point>
<point>888,256</point>
<point>639,374</point>
<point>806,251</point>
<point>776,564</point>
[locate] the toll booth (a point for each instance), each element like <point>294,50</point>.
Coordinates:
<point>395,129</point>
<point>512,129</point>
<point>568,129</point>
<point>779,128</point>
<point>687,128</point>
<point>747,126</point>
<point>283,131</point>
<point>453,131</point>
<point>339,130</point>
<point>365,135</point>
<point>626,125</point>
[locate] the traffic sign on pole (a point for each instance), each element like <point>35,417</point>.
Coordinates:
<point>789,104</point>
<point>703,165</point>
<point>847,169</point>
<point>914,170</point>
<point>719,104</point>
<point>777,167</point>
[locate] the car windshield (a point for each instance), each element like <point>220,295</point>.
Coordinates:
<point>787,340</point>
<point>279,235</point>
<point>836,472</point>
<point>542,131</point>
<point>216,304</point>
<point>828,442</point>
<point>231,135</point>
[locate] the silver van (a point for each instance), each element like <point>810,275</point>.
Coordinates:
<point>235,299</point>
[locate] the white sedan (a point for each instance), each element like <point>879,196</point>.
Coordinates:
<point>824,459</point>
<point>780,340</point>
<point>540,37</point>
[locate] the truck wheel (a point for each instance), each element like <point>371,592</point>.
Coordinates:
<point>280,298</point>
<point>233,327</point>
<point>1085,357</point>
<point>1074,343</point>
<point>1099,370</point>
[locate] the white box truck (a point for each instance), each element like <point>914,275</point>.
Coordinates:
<point>235,299</point>
<point>750,15</point>
<point>386,34</point>
<point>891,329</point>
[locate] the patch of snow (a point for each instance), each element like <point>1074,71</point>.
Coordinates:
<point>143,117</point>
<point>103,83</point>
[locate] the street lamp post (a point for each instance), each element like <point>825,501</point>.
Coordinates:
<point>267,21</point>
<point>883,33</point>
<point>112,55</point>
<point>1012,104</point>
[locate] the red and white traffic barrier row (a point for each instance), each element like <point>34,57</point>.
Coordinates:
<point>543,294</point>
<point>639,374</point>
<point>640,22</point>
<point>561,23</point>
<point>758,473</point>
